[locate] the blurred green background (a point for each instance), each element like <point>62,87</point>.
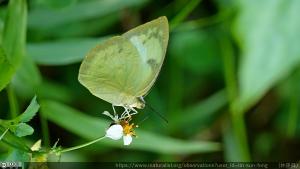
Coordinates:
<point>229,86</point>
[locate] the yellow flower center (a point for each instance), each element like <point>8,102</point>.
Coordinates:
<point>127,128</point>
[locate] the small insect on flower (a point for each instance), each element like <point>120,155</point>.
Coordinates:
<point>121,128</point>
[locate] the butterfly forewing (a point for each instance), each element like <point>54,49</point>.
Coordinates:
<point>150,40</point>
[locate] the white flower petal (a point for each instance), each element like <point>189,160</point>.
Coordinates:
<point>115,132</point>
<point>127,139</point>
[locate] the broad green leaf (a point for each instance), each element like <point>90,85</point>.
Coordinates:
<point>92,127</point>
<point>61,52</point>
<point>78,12</point>
<point>14,141</point>
<point>23,129</point>
<point>268,33</point>
<point>13,40</point>
<point>30,112</point>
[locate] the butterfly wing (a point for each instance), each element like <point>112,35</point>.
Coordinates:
<point>107,69</point>
<point>125,67</point>
<point>150,40</point>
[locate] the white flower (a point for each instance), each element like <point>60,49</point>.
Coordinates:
<point>127,139</point>
<point>116,132</point>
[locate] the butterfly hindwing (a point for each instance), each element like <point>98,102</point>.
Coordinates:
<point>107,68</point>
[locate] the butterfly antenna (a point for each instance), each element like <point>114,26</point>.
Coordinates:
<point>157,113</point>
<point>145,118</point>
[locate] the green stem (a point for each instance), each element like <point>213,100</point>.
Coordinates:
<point>184,13</point>
<point>13,103</point>
<point>239,127</point>
<point>202,22</point>
<point>81,146</point>
<point>45,130</point>
<point>4,134</point>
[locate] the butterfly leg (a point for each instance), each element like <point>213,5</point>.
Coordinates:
<point>115,113</point>
<point>134,111</point>
<point>125,114</point>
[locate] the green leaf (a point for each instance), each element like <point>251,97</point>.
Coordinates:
<point>268,33</point>
<point>61,52</point>
<point>30,112</point>
<point>90,128</point>
<point>23,129</point>
<point>78,12</point>
<point>91,27</point>
<point>6,69</point>
<point>14,39</point>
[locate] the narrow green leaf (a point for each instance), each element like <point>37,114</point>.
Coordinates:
<point>30,112</point>
<point>23,129</point>
<point>268,33</point>
<point>90,128</point>
<point>6,69</point>
<point>88,10</point>
<point>191,5</point>
<point>13,40</point>
<point>61,52</point>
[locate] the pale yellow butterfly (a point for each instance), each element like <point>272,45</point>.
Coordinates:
<point>122,69</point>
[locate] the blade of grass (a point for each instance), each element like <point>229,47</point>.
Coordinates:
<point>61,52</point>
<point>237,118</point>
<point>13,40</point>
<point>191,5</point>
<point>83,10</point>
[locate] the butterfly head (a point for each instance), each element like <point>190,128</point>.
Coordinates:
<point>139,103</point>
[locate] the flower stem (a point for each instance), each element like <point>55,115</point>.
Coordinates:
<point>81,146</point>
<point>4,133</point>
